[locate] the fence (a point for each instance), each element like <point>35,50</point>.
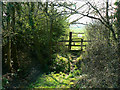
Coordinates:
<point>70,41</point>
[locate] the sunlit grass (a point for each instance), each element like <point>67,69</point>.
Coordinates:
<point>55,80</point>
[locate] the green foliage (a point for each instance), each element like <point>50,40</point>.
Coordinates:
<point>100,62</point>
<point>55,80</point>
<point>60,64</point>
<point>76,71</point>
<point>5,82</point>
<point>27,35</point>
<point>31,34</point>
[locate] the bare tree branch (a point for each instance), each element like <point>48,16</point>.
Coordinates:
<point>97,12</point>
<point>80,23</point>
<point>76,20</point>
<point>102,19</point>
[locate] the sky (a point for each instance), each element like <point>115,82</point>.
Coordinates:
<point>79,3</point>
<point>85,19</point>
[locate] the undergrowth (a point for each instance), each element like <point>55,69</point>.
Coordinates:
<point>56,80</point>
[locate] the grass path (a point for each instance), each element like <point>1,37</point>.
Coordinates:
<point>59,80</point>
<point>38,79</point>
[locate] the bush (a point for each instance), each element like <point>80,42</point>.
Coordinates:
<point>60,64</point>
<point>31,40</point>
<point>100,61</point>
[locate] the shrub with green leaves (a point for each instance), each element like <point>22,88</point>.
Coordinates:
<point>100,62</point>
<point>27,34</point>
<point>60,64</point>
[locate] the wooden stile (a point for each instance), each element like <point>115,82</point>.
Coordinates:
<point>70,41</point>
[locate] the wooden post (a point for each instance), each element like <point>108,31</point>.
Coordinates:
<point>81,44</point>
<point>70,40</point>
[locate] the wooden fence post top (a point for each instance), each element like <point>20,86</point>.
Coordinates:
<point>81,39</point>
<point>70,40</point>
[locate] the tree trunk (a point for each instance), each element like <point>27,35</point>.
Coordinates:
<point>108,23</point>
<point>118,29</point>
<point>13,42</point>
<point>50,35</point>
<point>9,65</point>
<point>9,55</point>
<point>50,41</point>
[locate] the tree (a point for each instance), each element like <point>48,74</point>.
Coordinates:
<point>118,31</point>
<point>94,11</point>
<point>30,33</point>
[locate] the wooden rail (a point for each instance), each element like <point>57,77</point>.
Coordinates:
<point>70,41</point>
<point>76,45</point>
<point>77,33</point>
<point>75,41</point>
